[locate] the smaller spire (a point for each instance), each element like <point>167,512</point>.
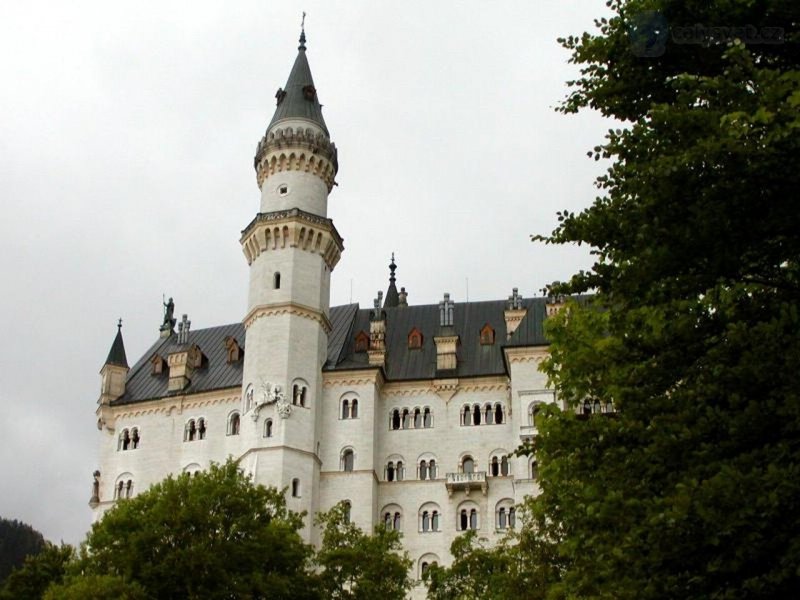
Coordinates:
<point>392,297</point>
<point>302,45</point>
<point>116,356</point>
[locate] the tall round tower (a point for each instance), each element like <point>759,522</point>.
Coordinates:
<point>291,247</point>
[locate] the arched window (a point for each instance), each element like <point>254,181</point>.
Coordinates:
<point>124,440</point>
<point>348,460</point>
<point>233,423</point>
<point>397,523</point>
<point>354,409</point>
<point>476,415</point>
<point>473,519</point>
<point>390,471</point>
<point>596,407</point>
<point>276,280</point>
<point>498,413</point>
<point>395,420</point>
<point>135,438</point>
<point>432,469</point>
<point>201,429</point>
<point>348,508</point>
<point>466,418</point>
<point>303,393</point>
<point>268,428</point>
<point>118,491</point>
<point>400,470</point>
<point>417,418</point>
<point>467,465</point>
<point>423,568</point>
<point>406,419</point>
<point>362,342</point>
<point>429,517</point>
<point>504,466</point>
<point>415,339</point>
<point>609,407</point>
<point>189,431</point>
<point>488,414</point>
<point>505,514</point>
<point>295,488</point>
<point>345,409</point>
<point>124,487</point>
<point>533,413</point>
<point>494,467</point>
<point>426,561</point>
<point>423,469</point>
<point>248,397</point>
<point>587,407</point>
<point>534,470</point>
<point>427,418</point>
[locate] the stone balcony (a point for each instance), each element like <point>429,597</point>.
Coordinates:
<point>466,481</point>
<point>527,433</point>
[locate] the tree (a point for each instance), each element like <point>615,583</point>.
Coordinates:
<point>37,573</point>
<point>17,540</point>
<point>358,566</point>
<point>95,587</point>
<point>691,489</point>
<point>211,535</point>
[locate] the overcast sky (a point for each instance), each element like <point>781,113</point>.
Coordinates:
<point>127,134</point>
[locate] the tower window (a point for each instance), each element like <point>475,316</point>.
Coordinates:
<point>347,460</point>
<point>276,281</point>
<point>268,428</point>
<point>295,488</point>
<point>283,190</point>
<point>233,424</point>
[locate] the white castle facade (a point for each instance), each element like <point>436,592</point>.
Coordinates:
<point>409,414</point>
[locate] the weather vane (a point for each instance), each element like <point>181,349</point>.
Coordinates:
<point>303,22</point>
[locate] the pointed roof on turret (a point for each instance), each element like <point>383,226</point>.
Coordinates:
<point>392,297</point>
<point>116,356</point>
<point>298,100</point>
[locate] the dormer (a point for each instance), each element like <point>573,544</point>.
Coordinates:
<point>362,341</point>
<point>157,364</point>
<point>415,339</point>
<point>446,341</point>
<point>233,350</point>
<point>487,335</point>
<point>554,304</point>
<point>182,365</point>
<point>377,333</point>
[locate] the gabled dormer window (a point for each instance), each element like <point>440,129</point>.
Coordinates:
<point>362,342</point>
<point>234,351</point>
<point>157,364</point>
<point>414,339</point>
<point>487,335</point>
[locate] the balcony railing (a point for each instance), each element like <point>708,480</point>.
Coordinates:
<point>466,481</point>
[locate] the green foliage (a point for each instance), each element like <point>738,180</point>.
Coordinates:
<point>17,540</point>
<point>37,573</point>
<point>212,535</point>
<point>358,566</point>
<point>691,490</point>
<point>95,587</point>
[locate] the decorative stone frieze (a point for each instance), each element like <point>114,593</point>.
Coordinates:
<point>287,308</point>
<point>304,150</point>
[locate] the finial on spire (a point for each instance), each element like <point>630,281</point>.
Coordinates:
<point>119,324</point>
<point>302,45</point>
<point>392,269</point>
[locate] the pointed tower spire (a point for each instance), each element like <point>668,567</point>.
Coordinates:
<point>298,99</point>
<point>116,356</point>
<point>392,297</point>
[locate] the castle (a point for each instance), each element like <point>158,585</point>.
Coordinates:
<point>408,414</point>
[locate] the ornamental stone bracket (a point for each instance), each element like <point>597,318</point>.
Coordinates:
<point>445,388</point>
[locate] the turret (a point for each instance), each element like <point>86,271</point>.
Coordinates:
<point>291,247</point>
<point>112,380</point>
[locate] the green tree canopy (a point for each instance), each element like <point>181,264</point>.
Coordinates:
<point>211,535</point>
<point>691,490</point>
<point>355,565</point>
<point>95,587</point>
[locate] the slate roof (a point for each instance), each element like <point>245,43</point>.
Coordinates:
<point>294,104</point>
<point>403,363</point>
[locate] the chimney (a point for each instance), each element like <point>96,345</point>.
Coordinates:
<point>377,333</point>
<point>514,312</point>
<point>447,341</point>
<point>403,297</point>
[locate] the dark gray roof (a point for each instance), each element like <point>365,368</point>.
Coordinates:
<point>294,103</point>
<point>474,359</point>
<point>402,363</point>
<point>116,356</point>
